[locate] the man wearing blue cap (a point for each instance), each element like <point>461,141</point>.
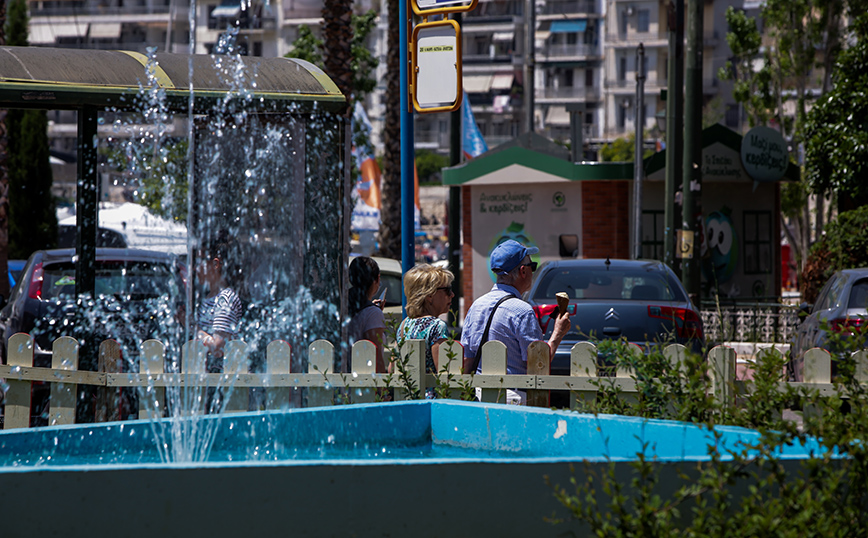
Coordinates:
<point>501,315</point>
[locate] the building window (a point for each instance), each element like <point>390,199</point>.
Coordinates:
<point>589,78</point>
<point>624,19</point>
<point>732,116</point>
<point>652,235</point>
<point>622,68</point>
<point>644,22</point>
<point>621,113</point>
<point>757,242</point>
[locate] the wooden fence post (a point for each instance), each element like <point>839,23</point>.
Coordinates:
<point>817,366</point>
<point>412,353</point>
<point>583,363</point>
<point>278,360</point>
<point>364,361</point>
<point>64,356</point>
<point>493,364</point>
<point>19,352</point>
<point>452,366</point>
<point>236,360</point>
<point>152,361</point>
<point>538,363</point>
<point>108,399</point>
<point>721,368</point>
<point>322,360</point>
<point>861,359</point>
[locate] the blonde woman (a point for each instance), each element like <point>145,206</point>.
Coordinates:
<point>429,295</point>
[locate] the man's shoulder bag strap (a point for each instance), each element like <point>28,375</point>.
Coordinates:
<point>482,342</point>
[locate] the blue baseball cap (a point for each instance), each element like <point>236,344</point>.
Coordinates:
<point>508,255</point>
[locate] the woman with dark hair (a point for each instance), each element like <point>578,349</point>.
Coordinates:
<point>367,321</point>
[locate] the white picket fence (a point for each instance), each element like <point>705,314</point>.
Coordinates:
<point>320,383</point>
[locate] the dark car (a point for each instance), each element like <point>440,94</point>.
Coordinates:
<point>136,292</point>
<point>641,301</point>
<point>137,295</point>
<point>840,307</point>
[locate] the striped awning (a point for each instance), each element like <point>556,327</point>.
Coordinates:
<point>570,26</point>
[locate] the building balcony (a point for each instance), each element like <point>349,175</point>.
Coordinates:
<point>560,53</point>
<point>58,9</point>
<point>571,94</point>
<point>649,39</point>
<point>560,8</point>
<point>628,84</point>
<point>481,59</point>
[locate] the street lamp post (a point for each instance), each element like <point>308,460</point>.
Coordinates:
<point>638,164</point>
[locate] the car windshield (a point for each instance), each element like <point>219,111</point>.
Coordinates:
<point>582,283</point>
<point>136,280</point>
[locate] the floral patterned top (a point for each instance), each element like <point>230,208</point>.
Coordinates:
<point>426,328</point>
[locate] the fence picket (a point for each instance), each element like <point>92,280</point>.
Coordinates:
<point>19,355</point>
<point>278,360</point>
<point>152,361</point>
<point>236,361</point>
<point>721,368</point>
<point>64,356</point>
<point>538,363</point>
<point>861,360</point>
<point>583,363</point>
<point>412,353</point>
<point>322,360</point>
<point>818,366</point>
<point>493,364</point>
<point>364,361</point>
<point>452,366</point>
<point>109,399</point>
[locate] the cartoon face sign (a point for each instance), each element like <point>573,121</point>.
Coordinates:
<point>722,243</point>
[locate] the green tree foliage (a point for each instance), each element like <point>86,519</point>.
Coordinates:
<point>844,246</point>
<point>621,150</point>
<point>307,46</point>
<point>836,132</point>
<point>32,215</point>
<point>750,88</point>
<point>428,164</point>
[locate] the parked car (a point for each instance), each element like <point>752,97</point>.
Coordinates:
<point>391,285</point>
<point>641,301</point>
<point>840,307</point>
<point>137,295</point>
<point>130,285</point>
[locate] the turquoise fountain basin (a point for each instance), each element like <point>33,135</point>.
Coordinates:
<point>421,468</point>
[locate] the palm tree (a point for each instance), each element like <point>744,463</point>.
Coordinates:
<point>337,32</point>
<point>390,208</point>
<point>4,179</point>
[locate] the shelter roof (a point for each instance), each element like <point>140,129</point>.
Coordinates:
<point>39,77</point>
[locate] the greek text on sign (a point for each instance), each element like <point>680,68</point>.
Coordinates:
<point>437,66</point>
<point>764,154</point>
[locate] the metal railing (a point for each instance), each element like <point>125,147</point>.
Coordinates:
<point>759,322</point>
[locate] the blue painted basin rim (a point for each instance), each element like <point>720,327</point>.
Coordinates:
<point>414,432</point>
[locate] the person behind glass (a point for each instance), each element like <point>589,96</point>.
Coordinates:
<point>429,295</point>
<point>512,321</point>
<point>219,313</point>
<point>367,320</point>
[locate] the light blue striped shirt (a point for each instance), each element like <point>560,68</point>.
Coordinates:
<point>514,324</point>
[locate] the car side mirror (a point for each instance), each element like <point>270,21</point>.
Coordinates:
<point>805,310</point>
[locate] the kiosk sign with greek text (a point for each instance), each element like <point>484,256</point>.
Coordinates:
<point>764,154</point>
